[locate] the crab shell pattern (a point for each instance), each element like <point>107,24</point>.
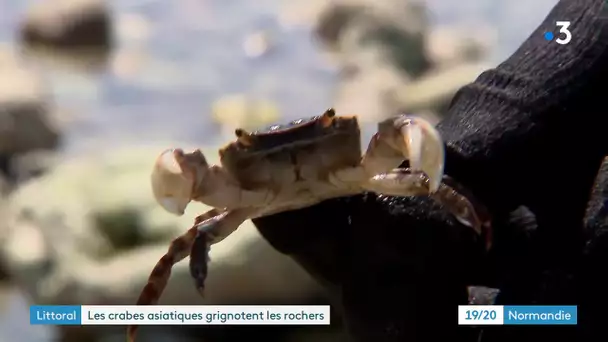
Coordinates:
<point>287,167</point>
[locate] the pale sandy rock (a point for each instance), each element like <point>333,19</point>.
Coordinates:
<point>54,246</point>
<point>451,45</point>
<point>365,93</point>
<point>437,86</point>
<point>87,61</point>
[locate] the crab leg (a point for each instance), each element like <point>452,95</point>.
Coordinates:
<point>178,250</point>
<point>404,182</point>
<point>212,231</point>
<point>399,182</point>
<point>199,260</point>
<point>465,208</point>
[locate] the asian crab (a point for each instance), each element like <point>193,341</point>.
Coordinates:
<point>287,167</point>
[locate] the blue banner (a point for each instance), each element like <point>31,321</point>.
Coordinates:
<point>540,315</point>
<point>55,314</point>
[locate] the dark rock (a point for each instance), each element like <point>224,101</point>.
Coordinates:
<point>68,24</point>
<point>25,115</point>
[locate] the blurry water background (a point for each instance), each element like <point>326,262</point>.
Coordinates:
<point>176,57</point>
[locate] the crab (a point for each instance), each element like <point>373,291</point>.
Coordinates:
<point>287,167</point>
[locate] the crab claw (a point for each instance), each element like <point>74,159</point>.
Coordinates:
<point>174,176</point>
<point>423,147</point>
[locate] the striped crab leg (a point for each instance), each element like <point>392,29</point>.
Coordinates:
<point>209,228</point>
<point>178,250</point>
<point>212,231</point>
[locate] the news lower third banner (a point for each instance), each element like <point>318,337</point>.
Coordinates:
<point>179,315</point>
<point>517,315</point>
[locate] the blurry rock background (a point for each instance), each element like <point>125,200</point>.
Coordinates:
<point>387,56</point>
<point>27,124</point>
<point>91,91</point>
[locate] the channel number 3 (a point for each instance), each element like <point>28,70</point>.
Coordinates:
<point>566,35</point>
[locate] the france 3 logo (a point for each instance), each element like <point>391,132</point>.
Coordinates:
<point>563,36</point>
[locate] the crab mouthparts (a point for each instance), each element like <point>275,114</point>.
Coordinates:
<point>172,182</point>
